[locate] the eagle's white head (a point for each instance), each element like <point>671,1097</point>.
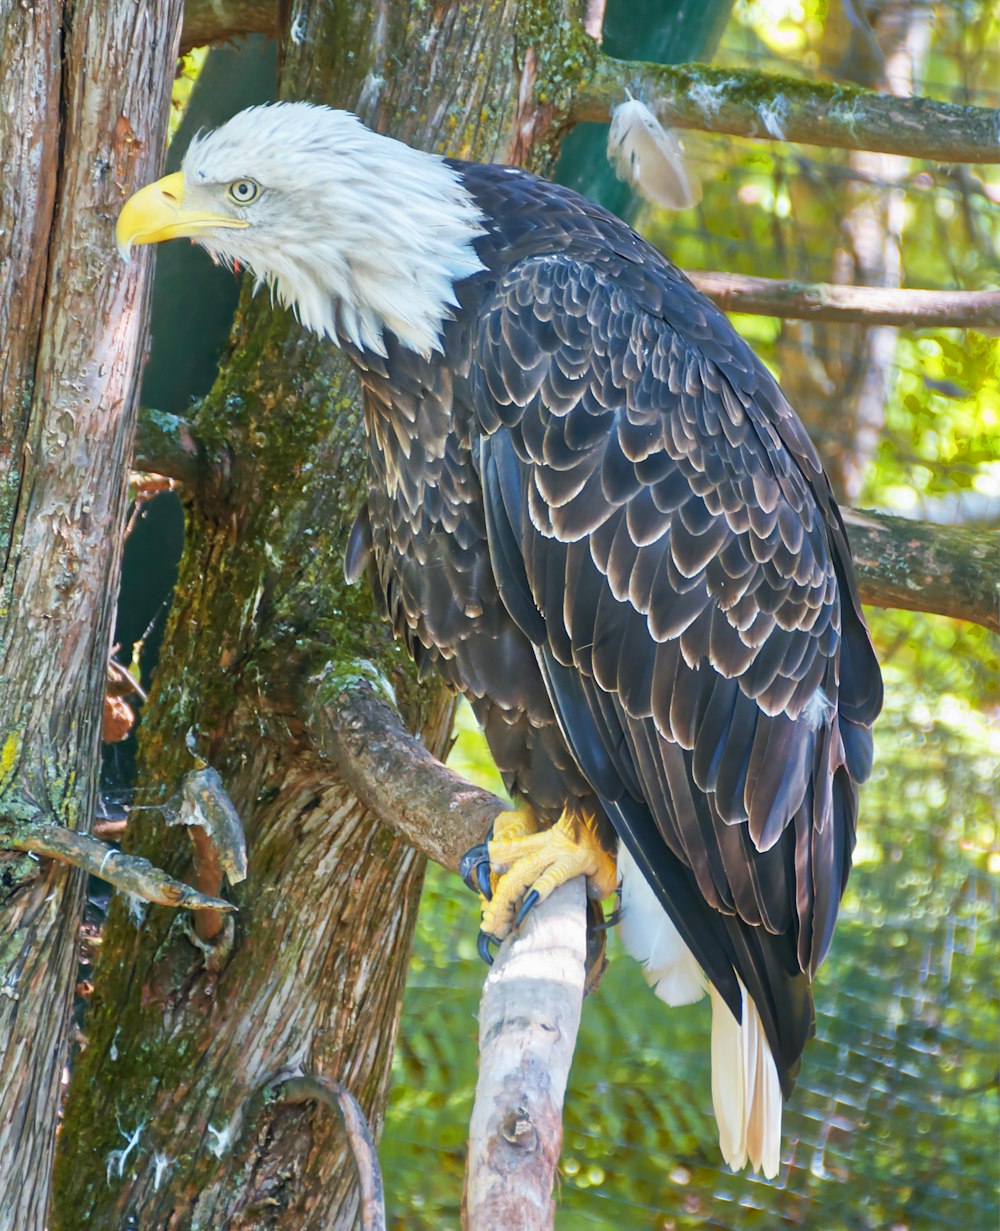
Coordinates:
<point>358,233</point>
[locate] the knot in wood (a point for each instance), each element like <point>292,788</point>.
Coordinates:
<point>516,1127</point>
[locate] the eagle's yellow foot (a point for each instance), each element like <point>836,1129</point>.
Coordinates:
<point>528,861</point>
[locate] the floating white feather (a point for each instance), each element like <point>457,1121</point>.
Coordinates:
<point>650,158</point>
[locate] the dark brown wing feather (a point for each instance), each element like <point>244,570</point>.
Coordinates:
<point>661,529</point>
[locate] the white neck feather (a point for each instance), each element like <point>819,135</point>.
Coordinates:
<point>358,233</point>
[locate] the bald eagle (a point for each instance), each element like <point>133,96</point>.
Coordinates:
<point>592,510</point>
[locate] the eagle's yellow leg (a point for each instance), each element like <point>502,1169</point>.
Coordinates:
<point>528,859</point>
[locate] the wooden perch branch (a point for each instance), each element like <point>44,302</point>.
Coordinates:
<point>394,775</point>
<point>528,1020</point>
<point>866,305</point>
<point>747,103</point>
<point>129,873</point>
<point>916,566</point>
<point>311,1087</point>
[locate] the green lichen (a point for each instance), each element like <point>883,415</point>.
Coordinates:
<point>9,755</point>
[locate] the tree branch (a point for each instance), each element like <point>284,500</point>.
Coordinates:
<point>866,305</point>
<point>216,21</point>
<point>312,1087</point>
<point>528,1020</point>
<point>393,774</point>
<point>129,873</point>
<point>747,103</point>
<point>917,566</point>
<point>165,444</point>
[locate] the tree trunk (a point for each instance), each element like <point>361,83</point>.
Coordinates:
<point>71,328</point>
<point>175,1116</point>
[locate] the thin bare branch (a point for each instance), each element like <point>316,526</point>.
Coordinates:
<point>393,774</point>
<point>917,566</point>
<point>747,103</point>
<point>528,1021</point>
<point>866,305</point>
<point>217,21</point>
<point>129,873</point>
<point>314,1088</point>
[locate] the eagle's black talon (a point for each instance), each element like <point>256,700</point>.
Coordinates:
<point>483,945</point>
<point>614,918</point>
<point>529,902</point>
<point>475,870</point>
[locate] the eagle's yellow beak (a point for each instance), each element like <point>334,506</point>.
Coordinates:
<point>157,212</point>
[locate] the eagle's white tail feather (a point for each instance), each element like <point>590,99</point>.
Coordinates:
<point>648,933</point>
<point>746,1093</point>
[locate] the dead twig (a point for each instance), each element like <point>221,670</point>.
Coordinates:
<point>312,1088</point>
<point>218,839</point>
<point>129,873</point>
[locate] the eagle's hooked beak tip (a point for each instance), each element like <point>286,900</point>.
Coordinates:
<point>157,212</point>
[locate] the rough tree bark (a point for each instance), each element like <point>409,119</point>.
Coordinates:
<point>71,331</point>
<point>172,1119</point>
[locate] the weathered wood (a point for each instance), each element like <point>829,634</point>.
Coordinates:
<point>129,873</point>
<point>912,565</point>
<point>394,775</point>
<point>71,333</point>
<point>907,308</point>
<point>749,103</point>
<point>309,1088</point>
<point>528,1021</point>
<point>216,21</point>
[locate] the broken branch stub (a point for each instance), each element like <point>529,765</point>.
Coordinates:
<point>217,837</point>
<point>129,873</point>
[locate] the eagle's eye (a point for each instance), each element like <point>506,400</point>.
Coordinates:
<point>243,191</point>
